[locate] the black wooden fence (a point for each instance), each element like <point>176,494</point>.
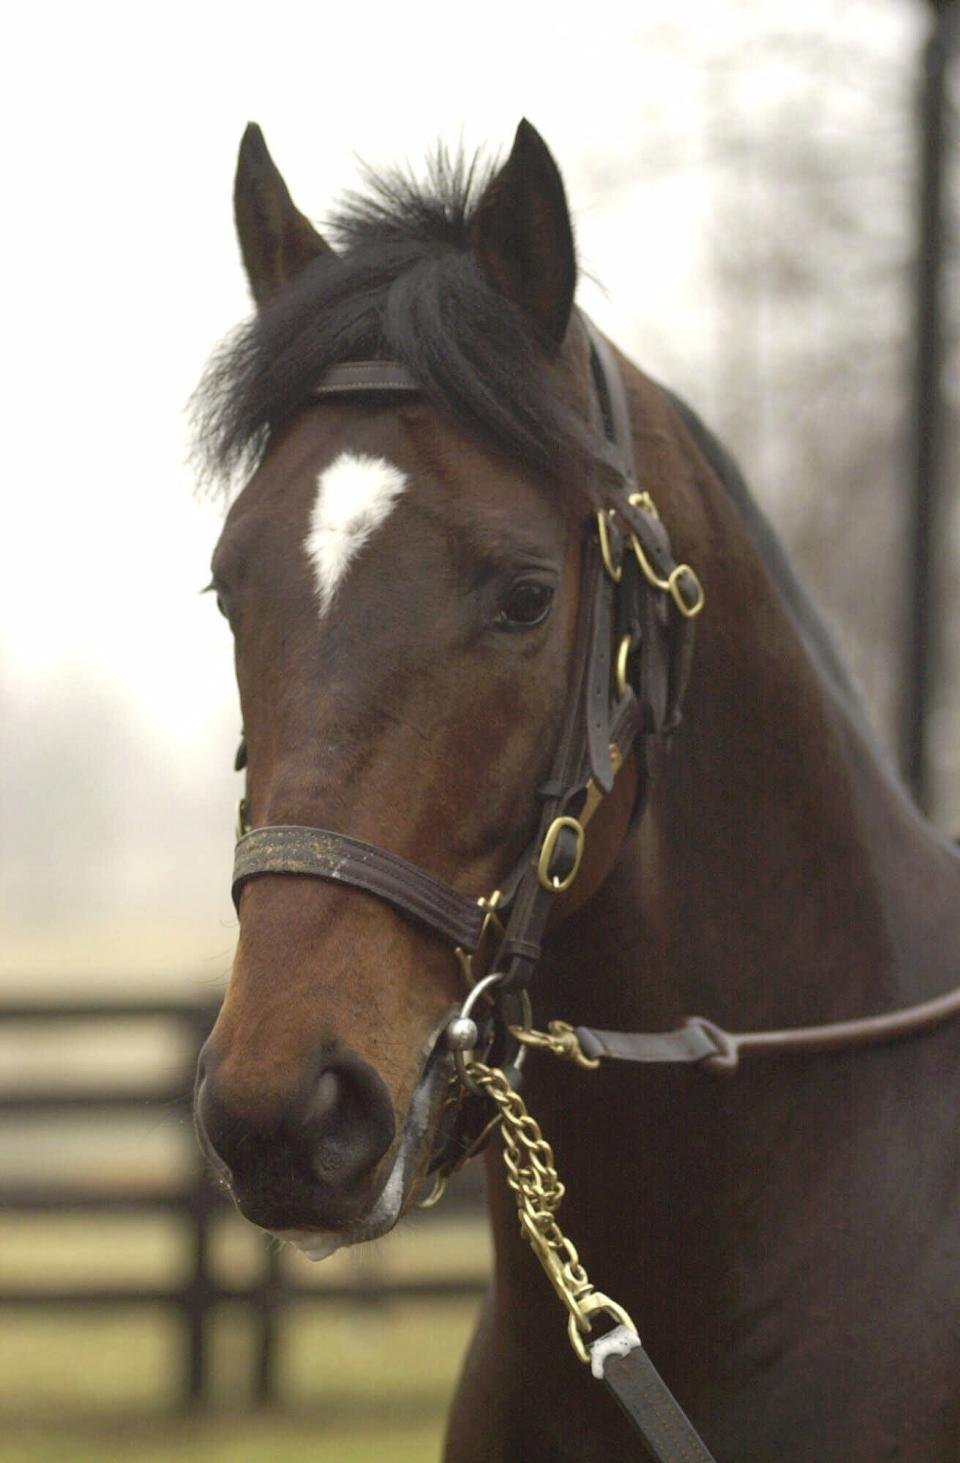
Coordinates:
<point>195,1202</point>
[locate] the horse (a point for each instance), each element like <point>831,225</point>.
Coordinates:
<point>433,488</point>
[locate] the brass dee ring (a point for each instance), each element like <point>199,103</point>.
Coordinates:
<point>549,881</point>
<point>688,608</point>
<point>615,571</point>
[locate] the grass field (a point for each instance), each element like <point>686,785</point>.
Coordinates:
<point>364,1383</point>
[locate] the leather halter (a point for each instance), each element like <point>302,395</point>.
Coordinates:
<point>622,591</point>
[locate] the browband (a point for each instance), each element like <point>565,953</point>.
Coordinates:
<point>354,377</point>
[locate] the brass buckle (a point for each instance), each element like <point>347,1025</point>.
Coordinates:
<point>643,500</point>
<point>689,609</point>
<point>488,903</point>
<point>593,797</point>
<point>549,881</point>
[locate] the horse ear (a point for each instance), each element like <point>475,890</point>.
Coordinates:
<point>522,236</point>
<point>276,241</point>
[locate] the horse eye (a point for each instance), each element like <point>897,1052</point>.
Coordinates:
<point>214,589</point>
<point>528,604</point>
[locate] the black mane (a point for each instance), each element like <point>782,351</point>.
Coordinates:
<point>402,286</point>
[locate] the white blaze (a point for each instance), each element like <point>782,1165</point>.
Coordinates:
<point>355,494</point>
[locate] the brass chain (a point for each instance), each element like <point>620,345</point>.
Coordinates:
<point>533,1177</point>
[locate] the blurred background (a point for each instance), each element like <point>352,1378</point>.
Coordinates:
<point>747,182</point>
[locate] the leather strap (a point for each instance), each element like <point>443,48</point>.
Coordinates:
<point>691,1043</point>
<point>354,377</point>
<point>631,1377</point>
<point>700,1040</point>
<point>597,709</point>
<point>608,381</point>
<point>532,905</point>
<point>287,849</point>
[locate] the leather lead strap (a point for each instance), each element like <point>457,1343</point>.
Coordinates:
<point>700,1040</point>
<point>691,1043</point>
<point>667,1432</point>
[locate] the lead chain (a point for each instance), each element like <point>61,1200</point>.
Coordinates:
<point>536,1185</point>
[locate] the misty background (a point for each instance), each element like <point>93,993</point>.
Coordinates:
<point>742,180</point>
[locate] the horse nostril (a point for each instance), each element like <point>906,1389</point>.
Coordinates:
<point>309,1150</point>
<point>349,1122</point>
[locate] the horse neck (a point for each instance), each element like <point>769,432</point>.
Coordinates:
<point>793,881</point>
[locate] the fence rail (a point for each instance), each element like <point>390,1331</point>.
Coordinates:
<point>197,1201</point>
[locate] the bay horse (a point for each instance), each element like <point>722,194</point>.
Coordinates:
<point>432,459</point>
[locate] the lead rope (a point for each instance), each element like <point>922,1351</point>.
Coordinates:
<point>617,1357</point>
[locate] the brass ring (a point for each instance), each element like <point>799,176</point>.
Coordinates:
<point>691,610</point>
<point>547,880</point>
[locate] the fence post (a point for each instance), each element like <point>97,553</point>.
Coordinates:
<point>198,1295</point>
<point>926,487</point>
<point>267,1304</point>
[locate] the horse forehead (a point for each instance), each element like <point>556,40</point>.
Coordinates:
<point>354,496</point>
<point>332,484</point>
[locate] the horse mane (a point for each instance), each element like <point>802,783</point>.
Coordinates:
<point>403,285</point>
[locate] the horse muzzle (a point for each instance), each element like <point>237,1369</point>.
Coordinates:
<point>309,1158</point>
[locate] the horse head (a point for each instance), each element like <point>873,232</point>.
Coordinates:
<point>402,575</point>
